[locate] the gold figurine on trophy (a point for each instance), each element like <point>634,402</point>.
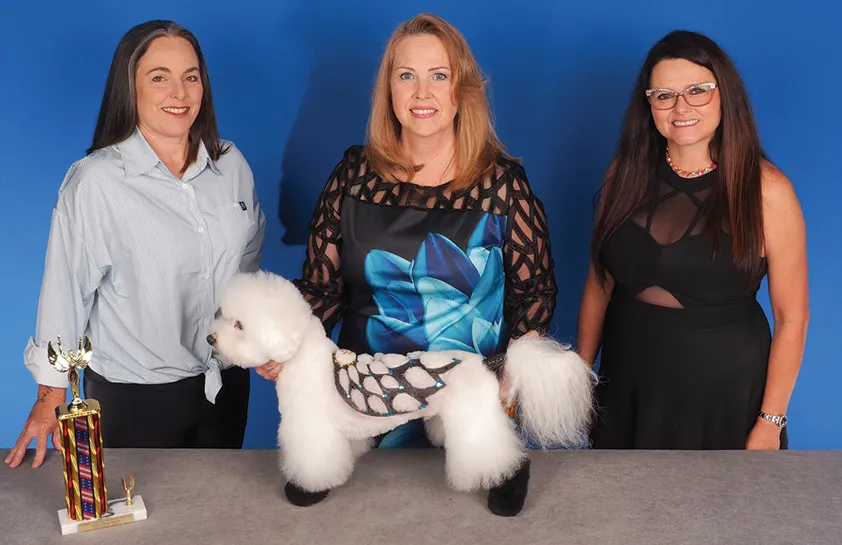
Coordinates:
<point>128,487</point>
<point>83,465</point>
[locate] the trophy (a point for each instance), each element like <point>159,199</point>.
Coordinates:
<point>83,465</point>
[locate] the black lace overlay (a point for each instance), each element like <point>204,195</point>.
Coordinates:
<point>343,236</point>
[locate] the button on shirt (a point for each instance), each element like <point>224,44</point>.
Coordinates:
<point>137,259</point>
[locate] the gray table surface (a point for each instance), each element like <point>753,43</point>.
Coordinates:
<point>400,496</point>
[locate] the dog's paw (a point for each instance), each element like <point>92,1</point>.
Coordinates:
<point>508,498</point>
<point>302,498</point>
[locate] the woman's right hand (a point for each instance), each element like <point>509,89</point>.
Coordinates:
<point>270,370</point>
<point>42,422</point>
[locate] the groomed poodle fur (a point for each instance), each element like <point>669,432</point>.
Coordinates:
<point>322,434</point>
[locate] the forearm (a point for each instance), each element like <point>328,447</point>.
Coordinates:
<point>589,335</point>
<point>592,309</point>
<point>48,394</point>
<point>785,357</point>
<point>327,302</point>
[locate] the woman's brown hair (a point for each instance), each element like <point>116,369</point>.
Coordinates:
<point>117,118</point>
<point>736,199</point>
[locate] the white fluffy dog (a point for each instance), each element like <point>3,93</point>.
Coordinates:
<point>332,402</point>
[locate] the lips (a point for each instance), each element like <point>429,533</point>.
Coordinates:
<point>176,111</point>
<point>423,113</point>
<point>685,123</point>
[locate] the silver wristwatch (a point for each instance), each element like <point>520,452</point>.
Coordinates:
<point>779,421</point>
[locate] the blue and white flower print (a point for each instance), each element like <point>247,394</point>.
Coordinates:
<point>445,299</point>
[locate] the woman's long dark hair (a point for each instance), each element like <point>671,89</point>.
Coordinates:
<point>118,113</point>
<point>736,199</point>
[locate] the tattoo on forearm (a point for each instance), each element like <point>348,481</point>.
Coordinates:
<point>47,390</point>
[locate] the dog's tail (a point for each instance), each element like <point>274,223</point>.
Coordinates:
<point>553,388</point>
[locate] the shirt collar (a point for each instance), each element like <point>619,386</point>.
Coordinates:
<point>139,157</point>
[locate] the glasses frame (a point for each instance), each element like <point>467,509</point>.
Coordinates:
<point>710,85</point>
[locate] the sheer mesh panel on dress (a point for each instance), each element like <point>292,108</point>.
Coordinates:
<point>670,215</point>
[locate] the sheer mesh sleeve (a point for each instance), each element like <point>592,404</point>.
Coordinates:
<point>321,280</point>
<point>530,280</point>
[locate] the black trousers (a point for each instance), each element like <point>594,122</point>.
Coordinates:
<point>174,415</point>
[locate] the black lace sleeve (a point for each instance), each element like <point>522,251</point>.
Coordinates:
<point>321,280</point>
<point>530,278</point>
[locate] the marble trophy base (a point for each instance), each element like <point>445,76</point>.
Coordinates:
<point>119,514</point>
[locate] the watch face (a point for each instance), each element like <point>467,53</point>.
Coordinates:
<point>783,421</point>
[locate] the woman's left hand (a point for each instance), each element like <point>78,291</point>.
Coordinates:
<point>764,436</point>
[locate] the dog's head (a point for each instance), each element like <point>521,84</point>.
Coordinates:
<point>263,317</point>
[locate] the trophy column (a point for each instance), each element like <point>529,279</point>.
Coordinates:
<point>82,463</point>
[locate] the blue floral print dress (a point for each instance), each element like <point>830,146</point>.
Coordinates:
<point>408,267</point>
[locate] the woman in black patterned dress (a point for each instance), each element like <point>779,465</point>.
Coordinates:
<point>429,237</point>
<point>692,216</point>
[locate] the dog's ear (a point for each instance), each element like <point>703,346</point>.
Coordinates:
<point>282,347</point>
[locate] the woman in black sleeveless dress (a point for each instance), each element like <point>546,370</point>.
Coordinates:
<point>691,218</point>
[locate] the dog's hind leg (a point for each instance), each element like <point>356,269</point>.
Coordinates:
<point>483,449</point>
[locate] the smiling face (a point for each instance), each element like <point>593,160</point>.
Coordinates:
<point>684,125</point>
<point>422,87</point>
<point>168,87</point>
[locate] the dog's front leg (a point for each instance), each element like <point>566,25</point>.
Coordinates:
<point>316,457</point>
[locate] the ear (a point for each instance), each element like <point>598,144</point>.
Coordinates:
<point>282,347</point>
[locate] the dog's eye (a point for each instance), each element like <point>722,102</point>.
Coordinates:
<point>238,324</point>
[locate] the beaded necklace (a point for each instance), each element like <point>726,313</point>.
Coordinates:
<point>689,173</point>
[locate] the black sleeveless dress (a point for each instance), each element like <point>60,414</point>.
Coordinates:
<point>685,343</point>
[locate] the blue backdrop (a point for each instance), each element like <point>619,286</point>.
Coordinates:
<point>291,82</point>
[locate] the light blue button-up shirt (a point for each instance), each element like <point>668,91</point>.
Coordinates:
<point>137,259</point>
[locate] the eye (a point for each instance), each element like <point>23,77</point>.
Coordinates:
<point>405,76</point>
<point>664,96</point>
<point>440,76</point>
<point>698,90</point>
<point>192,79</point>
<point>238,324</point>
<point>157,79</point>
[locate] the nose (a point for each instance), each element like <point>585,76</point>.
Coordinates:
<point>177,90</point>
<point>422,90</point>
<point>681,104</point>
<point>211,340</point>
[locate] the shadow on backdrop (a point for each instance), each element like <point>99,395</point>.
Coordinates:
<point>332,117</point>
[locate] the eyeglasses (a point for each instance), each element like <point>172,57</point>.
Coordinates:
<point>695,95</point>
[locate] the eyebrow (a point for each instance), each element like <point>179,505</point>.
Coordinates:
<point>683,88</point>
<point>165,69</point>
<point>430,70</point>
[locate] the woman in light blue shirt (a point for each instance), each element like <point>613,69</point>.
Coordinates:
<point>147,229</point>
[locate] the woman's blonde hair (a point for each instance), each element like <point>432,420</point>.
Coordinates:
<point>477,146</point>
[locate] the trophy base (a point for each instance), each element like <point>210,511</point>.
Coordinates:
<point>119,514</point>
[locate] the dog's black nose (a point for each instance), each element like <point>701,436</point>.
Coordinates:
<point>211,340</point>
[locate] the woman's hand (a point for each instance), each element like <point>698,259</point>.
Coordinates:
<point>270,370</point>
<point>42,422</point>
<point>764,435</point>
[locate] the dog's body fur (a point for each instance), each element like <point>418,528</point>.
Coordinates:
<point>264,318</point>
